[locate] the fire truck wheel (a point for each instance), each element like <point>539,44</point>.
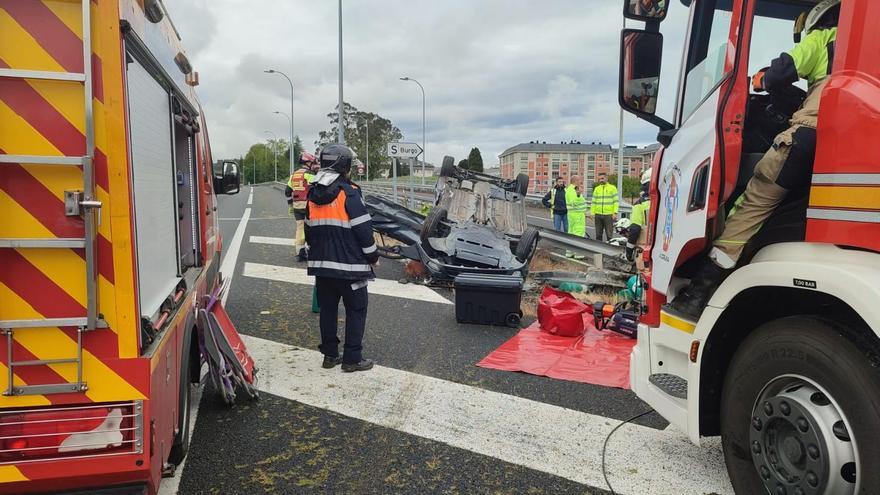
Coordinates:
<point>180,446</point>
<point>800,410</point>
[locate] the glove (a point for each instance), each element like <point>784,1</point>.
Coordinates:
<point>758,81</point>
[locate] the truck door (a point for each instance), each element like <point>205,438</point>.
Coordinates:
<point>689,162</point>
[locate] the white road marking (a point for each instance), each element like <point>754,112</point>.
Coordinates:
<point>278,241</point>
<point>250,200</point>
<point>544,437</point>
<point>227,268</point>
<point>379,286</point>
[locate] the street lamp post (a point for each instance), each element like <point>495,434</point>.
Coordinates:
<point>273,71</point>
<point>340,129</point>
<point>275,152</point>
<point>367,126</point>
<point>289,121</point>
<point>424,145</point>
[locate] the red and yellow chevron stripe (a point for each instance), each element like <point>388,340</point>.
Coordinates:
<point>40,117</point>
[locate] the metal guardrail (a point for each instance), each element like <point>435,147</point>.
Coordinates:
<point>385,190</point>
<point>625,208</point>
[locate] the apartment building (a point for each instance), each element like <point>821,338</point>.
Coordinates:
<point>543,161</point>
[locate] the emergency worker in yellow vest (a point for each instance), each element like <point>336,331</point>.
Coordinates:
<point>787,165</point>
<point>577,210</point>
<point>639,217</point>
<point>297,196</point>
<point>604,207</point>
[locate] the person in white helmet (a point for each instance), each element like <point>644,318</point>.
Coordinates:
<point>639,217</point>
<point>786,166</point>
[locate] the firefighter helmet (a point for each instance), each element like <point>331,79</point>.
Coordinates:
<point>305,158</point>
<point>338,157</point>
<point>824,14</point>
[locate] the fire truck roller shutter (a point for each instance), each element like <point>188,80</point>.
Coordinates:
<point>154,182</point>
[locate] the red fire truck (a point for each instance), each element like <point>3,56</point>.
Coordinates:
<point>109,245</point>
<point>784,362</point>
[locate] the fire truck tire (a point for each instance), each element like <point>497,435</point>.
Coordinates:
<point>800,408</point>
<point>180,446</point>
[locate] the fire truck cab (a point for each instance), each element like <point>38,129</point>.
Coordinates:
<point>784,362</point>
<point>109,245</point>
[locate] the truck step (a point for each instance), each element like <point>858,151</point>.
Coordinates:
<point>673,385</point>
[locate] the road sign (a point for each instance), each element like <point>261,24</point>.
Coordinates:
<point>404,150</point>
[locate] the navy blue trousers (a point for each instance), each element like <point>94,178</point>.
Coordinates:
<point>354,297</point>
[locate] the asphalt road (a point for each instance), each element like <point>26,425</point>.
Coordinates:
<point>315,431</point>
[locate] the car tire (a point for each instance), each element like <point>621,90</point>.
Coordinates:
<point>528,241</point>
<point>432,224</point>
<point>447,169</point>
<point>513,320</point>
<point>818,370</point>
<point>522,184</point>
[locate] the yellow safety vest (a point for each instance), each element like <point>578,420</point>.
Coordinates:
<point>605,200</point>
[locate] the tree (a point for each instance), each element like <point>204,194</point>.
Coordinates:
<point>261,157</point>
<point>463,164</point>
<point>297,151</point>
<point>631,187</point>
<point>475,160</point>
<point>382,132</point>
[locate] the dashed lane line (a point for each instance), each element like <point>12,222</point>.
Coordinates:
<point>539,436</point>
<point>378,286</point>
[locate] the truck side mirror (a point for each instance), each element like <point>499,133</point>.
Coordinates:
<point>641,57</point>
<point>645,10</point>
<point>227,180</point>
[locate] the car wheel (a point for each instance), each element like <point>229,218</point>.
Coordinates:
<point>513,320</point>
<point>522,184</point>
<point>528,241</point>
<point>800,412</point>
<point>447,169</point>
<point>432,224</point>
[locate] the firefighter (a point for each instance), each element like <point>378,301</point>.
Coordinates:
<point>604,207</point>
<point>639,217</point>
<point>555,200</point>
<point>340,235</point>
<point>297,193</point>
<point>787,165</point>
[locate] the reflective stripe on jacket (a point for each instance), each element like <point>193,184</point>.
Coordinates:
<point>339,232</point>
<point>605,200</point>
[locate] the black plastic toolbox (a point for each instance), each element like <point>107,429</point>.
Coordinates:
<point>488,299</point>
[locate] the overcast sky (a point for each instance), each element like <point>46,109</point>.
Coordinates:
<point>496,72</point>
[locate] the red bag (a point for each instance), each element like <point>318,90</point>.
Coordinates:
<point>560,313</point>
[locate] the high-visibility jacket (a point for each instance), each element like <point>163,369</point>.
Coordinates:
<point>605,200</point>
<point>339,232</point>
<point>640,213</point>
<point>577,212</point>
<point>299,184</point>
<point>549,201</point>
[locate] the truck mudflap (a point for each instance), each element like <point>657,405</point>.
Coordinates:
<point>230,366</point>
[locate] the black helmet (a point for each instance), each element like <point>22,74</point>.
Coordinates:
<point>338,157</point>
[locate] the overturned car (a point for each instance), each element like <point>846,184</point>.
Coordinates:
<point>477,225</point>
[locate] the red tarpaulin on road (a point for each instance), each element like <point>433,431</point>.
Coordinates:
<point>597,357</point>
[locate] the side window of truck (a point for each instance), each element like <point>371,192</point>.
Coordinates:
<point>706,55</point>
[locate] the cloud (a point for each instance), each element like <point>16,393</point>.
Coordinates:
<point>495,72</point>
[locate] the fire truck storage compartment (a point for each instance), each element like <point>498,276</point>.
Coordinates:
<point>161,188</point>
<point>487,299</point>
<point>187,202</point>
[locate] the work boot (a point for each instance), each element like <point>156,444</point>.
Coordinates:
<point>331,362</point>
<point>691,301</point>
<point>364,365</point>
